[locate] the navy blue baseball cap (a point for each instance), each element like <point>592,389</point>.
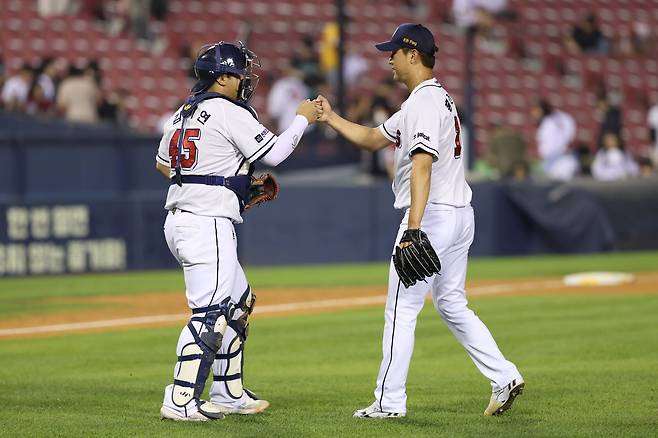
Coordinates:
<point>412,36</point>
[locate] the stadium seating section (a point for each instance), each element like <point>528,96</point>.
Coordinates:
<point>506,84</point>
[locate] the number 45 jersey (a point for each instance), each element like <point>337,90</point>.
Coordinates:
<point>428,121</point>
<point>220,138</point>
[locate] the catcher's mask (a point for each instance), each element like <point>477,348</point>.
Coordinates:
<point>221,58</point>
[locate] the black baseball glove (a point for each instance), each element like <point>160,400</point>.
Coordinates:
<point>417,260</point>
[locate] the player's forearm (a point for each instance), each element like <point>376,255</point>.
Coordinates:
<point>286,143</point>
<point>421,172</point>
<point>164,170</point>
<point>360,135</point>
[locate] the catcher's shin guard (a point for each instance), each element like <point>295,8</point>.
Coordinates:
<point>196,358</point>
<point>233,368</point>
<point>232,377</point>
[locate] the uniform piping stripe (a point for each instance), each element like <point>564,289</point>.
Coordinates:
<point>428,85</point>
<point>262,147</point>
<point>389,134</point>
<point>163,159</point>
<point>266,152</point>
<point>390,361</point>
<point>434,151</point>
<point>240,166</point>
<point>217,277</point>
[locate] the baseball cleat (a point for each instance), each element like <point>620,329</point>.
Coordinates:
<point>373,411</point>
<point>207,412</point>
<point>502,399</point>
<point>249,407</point>
<point>253,405</point>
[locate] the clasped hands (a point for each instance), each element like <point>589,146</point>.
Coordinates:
<point>317,110</point>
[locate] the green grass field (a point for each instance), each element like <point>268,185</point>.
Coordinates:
<point>590,362</point>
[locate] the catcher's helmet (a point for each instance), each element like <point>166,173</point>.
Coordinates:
<point>221,58</point>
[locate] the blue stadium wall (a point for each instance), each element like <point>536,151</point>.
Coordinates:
<point>89,200</point>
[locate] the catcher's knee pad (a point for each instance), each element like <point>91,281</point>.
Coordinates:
<point>246,304</point>
<point>196,358</point>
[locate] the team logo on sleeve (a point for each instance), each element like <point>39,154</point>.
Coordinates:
<point>397,139</point>
<point>259,138</point>
<point>421,135</point>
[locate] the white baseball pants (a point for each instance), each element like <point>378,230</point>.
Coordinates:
<point>451,230</point>
<point>206,249</point>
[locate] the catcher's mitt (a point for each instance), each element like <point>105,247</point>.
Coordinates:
<point>417,260</point>
<point>262,189</point>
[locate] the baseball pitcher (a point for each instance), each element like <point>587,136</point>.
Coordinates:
<point>207,151</point>
<point>436,232</point>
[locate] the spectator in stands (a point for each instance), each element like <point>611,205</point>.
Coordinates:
<point>16,89</point>
<point>38,103</point>
<point>290,87</point>
<point>355,66</point>
<point>636,40</point>
<point>48,8</point>
<point>329,51</point>
<point>148,32</point>
<point>587,37</point>
<point>556,130</point>
<point>646,167</point>
<point>113,109</point>
<point>46,78</point>
<point>610,116</point>
<point>507,152</point>
<point>159,9</point>
<point>95,9</point>
<point>521,171</point>
<point>417,8</point>
<point>139,11</point>
<point>372,109</point>
<point>78,96</point>
<point>479,14</point>
<point>612,162</point>
<point>584,156</point>
<point>478,18</point>
<point>305,58</point>
<point>2,77</point>
<point>652,122</point>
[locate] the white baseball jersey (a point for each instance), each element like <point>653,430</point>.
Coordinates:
<point>221,138</point>
<point>428,121</point>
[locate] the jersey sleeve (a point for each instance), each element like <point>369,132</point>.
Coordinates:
<point>248,135</point>
<point>390,128</point>
<point>421,123</point>
<point>162,156</point>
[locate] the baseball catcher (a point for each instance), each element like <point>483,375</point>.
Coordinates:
<point>414,258</point>
<point>207,152</point>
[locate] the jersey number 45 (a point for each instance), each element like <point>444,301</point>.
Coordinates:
<point>458,140</point>
<point>188,150</point>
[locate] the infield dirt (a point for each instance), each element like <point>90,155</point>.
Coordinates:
<point>278,302</point>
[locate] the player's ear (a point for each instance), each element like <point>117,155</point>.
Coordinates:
<point>414,56</point>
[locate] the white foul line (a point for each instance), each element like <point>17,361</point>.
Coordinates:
<point>274,308</point>
<point>267,309</point>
